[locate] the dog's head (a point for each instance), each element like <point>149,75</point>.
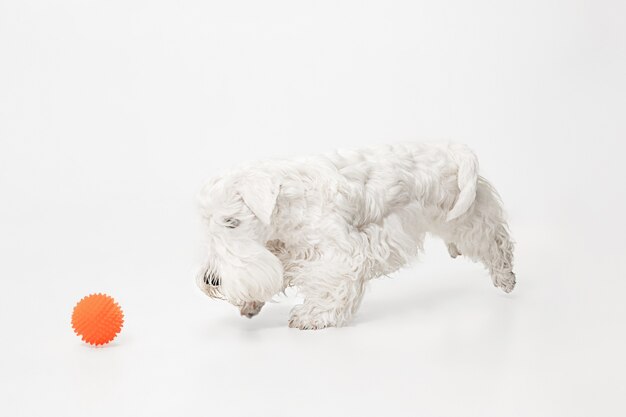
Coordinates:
<point>237,211</point>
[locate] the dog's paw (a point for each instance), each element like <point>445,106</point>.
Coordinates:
<point>251,308</point>
<point>453,250</point>
<point>506,282</point>
<point>304,317</point>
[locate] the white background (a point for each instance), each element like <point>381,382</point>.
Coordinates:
<point>112,113</point>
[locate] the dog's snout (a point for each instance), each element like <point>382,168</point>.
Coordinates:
<point>211,278</point>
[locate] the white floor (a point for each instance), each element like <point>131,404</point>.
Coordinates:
<point>436,339</point>
<point>113,113</point>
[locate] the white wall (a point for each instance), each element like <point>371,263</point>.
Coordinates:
<point>113,112</point>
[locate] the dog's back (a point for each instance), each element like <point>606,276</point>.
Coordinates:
<point>384,178</point>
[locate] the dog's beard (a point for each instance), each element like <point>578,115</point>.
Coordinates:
<point>253,274</point>
<point>257,277</point>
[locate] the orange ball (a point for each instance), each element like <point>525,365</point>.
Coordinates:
<point>97,318</point>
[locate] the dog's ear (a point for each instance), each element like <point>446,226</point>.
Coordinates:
<point>259,192</point>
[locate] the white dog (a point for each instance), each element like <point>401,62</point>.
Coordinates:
<point>329,224</point>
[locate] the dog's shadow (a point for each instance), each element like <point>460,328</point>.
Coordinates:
<point>272,316</point>
<point>416,300</point>
<point>410,302</point>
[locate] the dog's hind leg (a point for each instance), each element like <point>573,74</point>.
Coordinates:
<point>482,235</point>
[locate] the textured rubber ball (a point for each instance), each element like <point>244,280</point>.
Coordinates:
<point>97,319</point>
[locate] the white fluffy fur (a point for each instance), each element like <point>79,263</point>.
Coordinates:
<point>329,224</point>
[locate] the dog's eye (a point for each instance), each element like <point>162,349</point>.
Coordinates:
<point>231,222</point>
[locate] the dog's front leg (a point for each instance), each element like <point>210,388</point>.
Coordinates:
<point>251,308</point>
<point>332,292</point>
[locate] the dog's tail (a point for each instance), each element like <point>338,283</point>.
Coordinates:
<point>467,178</point>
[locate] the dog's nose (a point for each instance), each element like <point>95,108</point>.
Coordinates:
<point>210,278</point>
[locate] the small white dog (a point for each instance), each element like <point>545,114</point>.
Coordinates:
<point>329,224</point>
